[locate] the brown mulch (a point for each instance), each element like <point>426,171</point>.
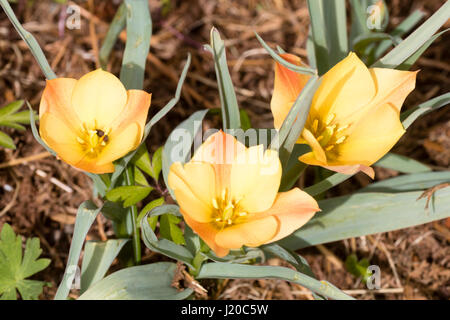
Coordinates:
<point>415,260</point>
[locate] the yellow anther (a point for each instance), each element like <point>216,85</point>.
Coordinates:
<point>242,214</point>
<point>315,125</point>
<point>330,118</point>
<point>343,128</point>
<point>229,221</point>
<point>80,140</point>
<point>341,139</point>
<point>319,138</point>
<point>215,204</point>
<point>329,147</point>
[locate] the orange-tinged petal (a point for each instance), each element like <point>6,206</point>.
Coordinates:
<point>98,98</point>
<point>207,232</point>
<point>56,99</point>
<point>371,139</point>
<point>287,86</point>
<point>60,138</point>
<point>135,110</point>
<point>352,169</point>
<point>194,188</point>
<point>293,209</point>
<point>252,233</point>
<point>344,90</point>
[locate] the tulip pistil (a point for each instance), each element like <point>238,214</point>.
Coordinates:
<point>93,140</point>
<point>227,210</point>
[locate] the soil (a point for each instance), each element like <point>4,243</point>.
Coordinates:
<point>39,198</point>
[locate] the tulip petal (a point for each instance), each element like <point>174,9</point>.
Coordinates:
<point>372,139</point>
<point>393,86</point>
<point>120,143</point>
<point>293,209</point>
<point>252,233</point>
<point>98,98</point>
<point>344,90</point>
<point>317,149</point>
<point>352,169</point>
<point>207,232</point>
<point>60,138</point>
<point>194,188</point>
<point>287,86</point>
<point>136,110</point>
<point>255,178</point>
<point>56,99</point>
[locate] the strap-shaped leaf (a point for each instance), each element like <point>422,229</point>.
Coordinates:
<point>87,212</point>
<point>147,282</point>
<point>121,165</point>
<point>230,108</point>
<point>336,27</point>
<point>117,25</point>
<point>98,257</point>
<point>319,38</point>
<point>220,270</point>
<point>293,125</point>
<point>179,142</point>
<point>139,32</point>
<point>408,182</point>
<point>284,63</point>
<point>401,163</point>
<point>327,183</point>
<point>416,39</point>
<point>409,116</point>
<point>164,246</point>
<point>368,213</point>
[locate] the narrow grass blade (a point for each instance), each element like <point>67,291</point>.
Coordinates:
<point>415,40</point>
<point>220,270</point>
<point>87,212</point>
<point>148,282</point>
<point>29,40</point>
<point>409,116</point>
<point>115,28</point>
<point>318,29</point>
<point>401,163</point>
<point>361,214</point>
<point>98,257</point>
<point>284,63</point>
<point>230,109</point>
<point>139,32</point>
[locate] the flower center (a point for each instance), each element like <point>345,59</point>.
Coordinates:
<point>93,140</point>
<point>327,133</point>
<point>227,210</point>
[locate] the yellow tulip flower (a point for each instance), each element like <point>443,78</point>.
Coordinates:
<point>228,194</point>
<point>354,117</point>
<point>92,121</point>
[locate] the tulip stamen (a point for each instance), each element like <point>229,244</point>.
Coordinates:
<point>226,209</point>
<point>92,140</point>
